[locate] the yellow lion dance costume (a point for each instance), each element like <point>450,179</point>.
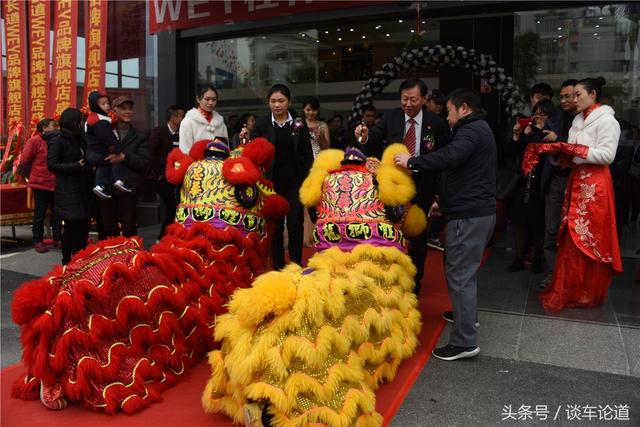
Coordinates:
<point>309,346</point>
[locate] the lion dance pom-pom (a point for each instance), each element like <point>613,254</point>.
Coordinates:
<point>307,346</point>
<point>119,324</point>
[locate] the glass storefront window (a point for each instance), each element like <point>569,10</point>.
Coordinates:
<point>555,45</point>
<point>131,64</point>
<point>330,61</point>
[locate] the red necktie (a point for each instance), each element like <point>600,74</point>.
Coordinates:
<point>410,137</point>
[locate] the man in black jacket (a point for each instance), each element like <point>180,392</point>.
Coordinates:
<point>422,132</point>
<point>553,179</point>
<point>121,208</point>
<point>468,203</point>
<point>162,140</point>
<point>293,159</point>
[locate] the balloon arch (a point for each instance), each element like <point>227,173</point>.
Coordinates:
<point>439,56</point>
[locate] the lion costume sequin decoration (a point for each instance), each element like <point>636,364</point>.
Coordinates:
<point>310,346</point>
<point>119,324</point>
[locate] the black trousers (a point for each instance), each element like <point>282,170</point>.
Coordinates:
<point>418,244</point>
<point>74,237</point>
<point>120,209</point>
<point>107,175</point>
<point>288,189</point>
<point>44,199</point>
<point>169,196</point>
<point>418,254</point>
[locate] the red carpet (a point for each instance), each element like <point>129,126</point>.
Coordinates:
<point>182,407</point>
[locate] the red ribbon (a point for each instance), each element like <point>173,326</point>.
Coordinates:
<point>565,150</point>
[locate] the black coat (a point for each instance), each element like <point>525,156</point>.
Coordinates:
<point>301,145</point>
<point>135,146</point>
<point>161,142</point>
<point>73,181</point>
<point>434,135</point>
<point>526,204</point>
<point>99,138</point>
<point>468,165</point>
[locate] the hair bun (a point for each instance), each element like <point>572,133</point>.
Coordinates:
<point>600,80</point>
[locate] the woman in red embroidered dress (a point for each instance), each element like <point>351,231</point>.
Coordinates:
<point>588,252</point>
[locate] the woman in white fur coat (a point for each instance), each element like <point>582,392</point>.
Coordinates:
<point>202,122</point>
<point>588,250</point>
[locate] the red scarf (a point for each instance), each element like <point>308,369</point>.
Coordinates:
<point>207,114</point>
<point>590,110</point>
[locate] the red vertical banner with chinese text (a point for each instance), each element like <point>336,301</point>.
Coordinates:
<point>16,41</point>
<point>39,19</point>
<point>2,117</point>
<point>96,46</point>
<point>63,80</point>
<point>15,21</point>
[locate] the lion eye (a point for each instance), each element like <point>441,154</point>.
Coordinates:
<point>246,195</point>
<point>394,213</point>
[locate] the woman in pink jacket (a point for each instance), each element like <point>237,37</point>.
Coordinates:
<point>43,184</point>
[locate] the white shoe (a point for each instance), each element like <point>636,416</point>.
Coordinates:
<point>99,191</point>
<point>120,185</point>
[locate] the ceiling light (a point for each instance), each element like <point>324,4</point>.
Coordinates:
<point>597,26</point>
<point>595,34</point>
<point>351,29</point>
<point>326,31</point>
<point>364,37</point>
<point>559,28</point>
<point>559,36</point>
<point>537,22</point>
<point>424,22</point>
<point>339,39</point>
<point>413,31</point>
<point>601,18</point>
<point>338,30</point>
<point>399,21</point>
<point>388,34</point>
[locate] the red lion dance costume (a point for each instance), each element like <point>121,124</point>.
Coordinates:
<point>119,324</point>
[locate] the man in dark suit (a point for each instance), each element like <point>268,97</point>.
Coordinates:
<point>162,140</point>
<point>422,132</point>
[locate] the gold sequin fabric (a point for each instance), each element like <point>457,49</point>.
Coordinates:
<point>314,344</point>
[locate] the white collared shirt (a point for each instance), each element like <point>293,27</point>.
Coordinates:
<point>173,132</point>
<point>418,126</point>
<point>275,123</point>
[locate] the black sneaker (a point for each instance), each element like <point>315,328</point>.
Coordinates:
<point>99,191</point>
<point>435,244</point>
<point>448,316</point>
<point>452,352</point>
<point>120,185</point>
